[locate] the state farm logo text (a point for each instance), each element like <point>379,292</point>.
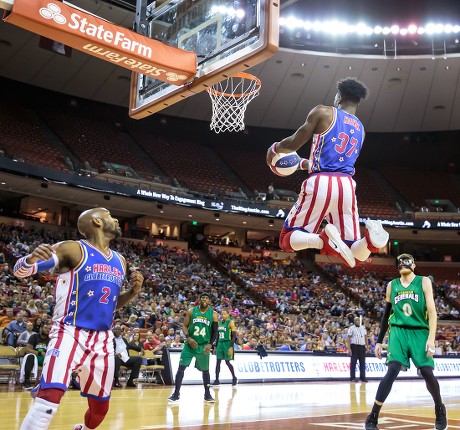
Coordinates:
<point>81,24</point>
<point>109,34</point>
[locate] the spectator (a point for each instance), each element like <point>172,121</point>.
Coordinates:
<point>171,336</point>
<point>36,347</point>
<point>7,317</point>
<point>287,345</point>
<point>15,328</point>
<point>25,335</point>
<point>177,342</point>
<point>251,345</point>
<point>38,321</point>
<point>151,342</point>
<point>132,321</point>
<point>32,307</point>
<point>122,357</point>
<point>136,344</point>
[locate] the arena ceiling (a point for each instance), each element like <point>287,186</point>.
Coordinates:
<point>407,93</point>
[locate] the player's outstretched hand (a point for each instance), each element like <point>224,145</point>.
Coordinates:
<point>43,252</point>
<point>430,349</point>
<point>378,350</point>
<point>136,280</point>
<point>270,154</point>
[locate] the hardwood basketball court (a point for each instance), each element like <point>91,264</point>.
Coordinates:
<point>309,405</point>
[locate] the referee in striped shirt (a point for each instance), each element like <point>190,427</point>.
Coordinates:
<point>357,343</point>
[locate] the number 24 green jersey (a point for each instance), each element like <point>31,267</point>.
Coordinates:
<point>200,325</point>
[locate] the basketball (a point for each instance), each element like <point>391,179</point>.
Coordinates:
<point>285,164</point>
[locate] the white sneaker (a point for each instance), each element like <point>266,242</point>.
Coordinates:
<point>375,234</point>
<point>79,427</point>
<point>334,245</point>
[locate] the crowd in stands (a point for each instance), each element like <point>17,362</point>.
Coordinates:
<point>279,304</point>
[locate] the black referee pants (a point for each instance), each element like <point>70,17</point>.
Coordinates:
<point>358,352</point>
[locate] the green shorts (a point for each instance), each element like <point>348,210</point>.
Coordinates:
<point>222,350</point>
<point>201,359</point>
<point>405,343</point>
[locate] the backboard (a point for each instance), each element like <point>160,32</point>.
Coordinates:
<point>227,37</point>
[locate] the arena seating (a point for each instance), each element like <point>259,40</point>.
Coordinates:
<point>283,293</point>
<point>250,167</point>
<point>24,140</point>
<point>373,200</point>
<point>363,269</point>
<point>417,185</point>
<point>95,141</point>
<point>191,164</point>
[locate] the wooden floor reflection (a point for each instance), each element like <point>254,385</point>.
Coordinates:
<point>312,405</point>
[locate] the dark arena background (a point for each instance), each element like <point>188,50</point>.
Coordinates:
<point>202,211</point>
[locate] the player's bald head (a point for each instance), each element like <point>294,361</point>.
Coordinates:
<point>85,223</point>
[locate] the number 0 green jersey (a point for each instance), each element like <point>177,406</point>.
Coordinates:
<point>201,325</point>
<point>408,304</point>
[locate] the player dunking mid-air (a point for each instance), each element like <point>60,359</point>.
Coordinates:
<point>224,349</point>
<point>411,314</point>
<point>200,329</point>
<point>329,192</point>
<point>87,294</point>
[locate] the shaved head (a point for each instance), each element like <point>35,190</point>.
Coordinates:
<point>98,218</point>
<point>85,220</point>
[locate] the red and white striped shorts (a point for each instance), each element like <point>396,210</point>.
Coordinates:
<point>326,196</point>
<point>88,352</point>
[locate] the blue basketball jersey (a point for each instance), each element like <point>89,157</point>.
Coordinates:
<point>337,148</point>
<point>86,297</point>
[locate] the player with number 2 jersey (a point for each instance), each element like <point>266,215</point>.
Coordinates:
<point>88,290</point>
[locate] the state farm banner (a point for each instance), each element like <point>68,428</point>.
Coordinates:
<point>102,39</point>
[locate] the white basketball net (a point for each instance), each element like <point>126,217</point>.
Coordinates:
<point>230,99</point>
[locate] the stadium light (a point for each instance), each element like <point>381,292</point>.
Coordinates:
<point>230,11</point>
<point>334,27</point>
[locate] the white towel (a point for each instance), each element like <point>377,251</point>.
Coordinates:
<point>34,372</point>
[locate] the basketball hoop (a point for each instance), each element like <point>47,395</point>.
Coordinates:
<point>230,98</point>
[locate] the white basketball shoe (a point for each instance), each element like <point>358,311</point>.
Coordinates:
<point>334,245</point>
<point>376,236</point>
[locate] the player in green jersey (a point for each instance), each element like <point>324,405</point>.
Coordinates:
<point>200,329</point>
<point>224,349</point>
<point>411,315</point>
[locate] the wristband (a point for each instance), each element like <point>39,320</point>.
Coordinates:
<point>304,164</point>
<point>22,269</point>
<point>273,148</point>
